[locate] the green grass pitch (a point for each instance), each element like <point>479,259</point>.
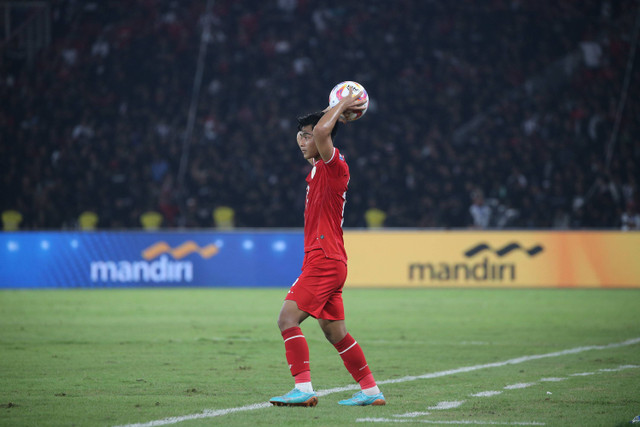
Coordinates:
<point>121,357</point>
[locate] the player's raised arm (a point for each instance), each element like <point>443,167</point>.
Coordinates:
<point>322,130</point>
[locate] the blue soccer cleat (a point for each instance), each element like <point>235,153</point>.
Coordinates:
<point>361,399</point>
<point>295,398</point>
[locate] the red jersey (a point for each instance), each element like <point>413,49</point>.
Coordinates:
<point>324,207</point>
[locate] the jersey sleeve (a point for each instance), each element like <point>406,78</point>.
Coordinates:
<point>338,170</point>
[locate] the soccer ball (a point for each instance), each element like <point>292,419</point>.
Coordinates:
<point>341,90</point>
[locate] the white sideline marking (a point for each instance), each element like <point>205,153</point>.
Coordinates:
<point>447,405</point>
<point>619,368</point>
<point>458,422</point>
<point>582,374</point>
<point>208,413</point>
<point>552,379</point>
<point>412,414</point>
<point>515,361</point>
<point>486,394</point>
<point>450,405</point>
<point>517,386</point>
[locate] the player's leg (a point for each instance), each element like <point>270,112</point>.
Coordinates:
<point>353,357</point>
<point>290,316</point>
<point>297,354</point>
<point>295,344</point>
<point>334,330</point>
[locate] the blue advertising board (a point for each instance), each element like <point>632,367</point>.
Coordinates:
<point>132,259</point>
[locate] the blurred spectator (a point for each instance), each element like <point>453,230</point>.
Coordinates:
<point>480,212</point>
<point>630,218</point>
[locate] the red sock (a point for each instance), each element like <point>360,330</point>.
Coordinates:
<point>303,377</point>
<point>353,358</point>
<point>297,352</point>
<point>367,382</point>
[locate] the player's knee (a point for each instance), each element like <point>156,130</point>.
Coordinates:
<point>281,324</point>
<point>334,335</point>
<point>290,316</point>
<point>286,322</point>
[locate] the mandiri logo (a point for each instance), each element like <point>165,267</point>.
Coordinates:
<point>488,269</point>
<point>161,263</point>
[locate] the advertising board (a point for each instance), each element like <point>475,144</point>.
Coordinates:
<point>377,258</point>
<point>126,259</point>
<point>493,258</point>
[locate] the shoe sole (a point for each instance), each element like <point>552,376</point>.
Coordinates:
<point>311,402</point>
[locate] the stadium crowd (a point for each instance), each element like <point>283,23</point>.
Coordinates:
<point>480,115</point>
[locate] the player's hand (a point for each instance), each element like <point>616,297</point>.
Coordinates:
<point>348,103</point>
<point>353,104</point>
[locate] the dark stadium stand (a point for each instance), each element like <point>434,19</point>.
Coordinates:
<point>516,101</point>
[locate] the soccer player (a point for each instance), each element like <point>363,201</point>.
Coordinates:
<point>318,290</point>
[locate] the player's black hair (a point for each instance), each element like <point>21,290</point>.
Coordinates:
<point>313,119</point>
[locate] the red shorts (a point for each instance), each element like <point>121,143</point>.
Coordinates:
<point>318,290</point>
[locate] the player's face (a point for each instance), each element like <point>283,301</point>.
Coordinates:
<point>306,143</point>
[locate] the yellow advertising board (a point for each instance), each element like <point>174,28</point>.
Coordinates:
<point>493,258</point>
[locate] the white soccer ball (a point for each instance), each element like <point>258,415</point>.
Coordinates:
<point>341,90</point>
